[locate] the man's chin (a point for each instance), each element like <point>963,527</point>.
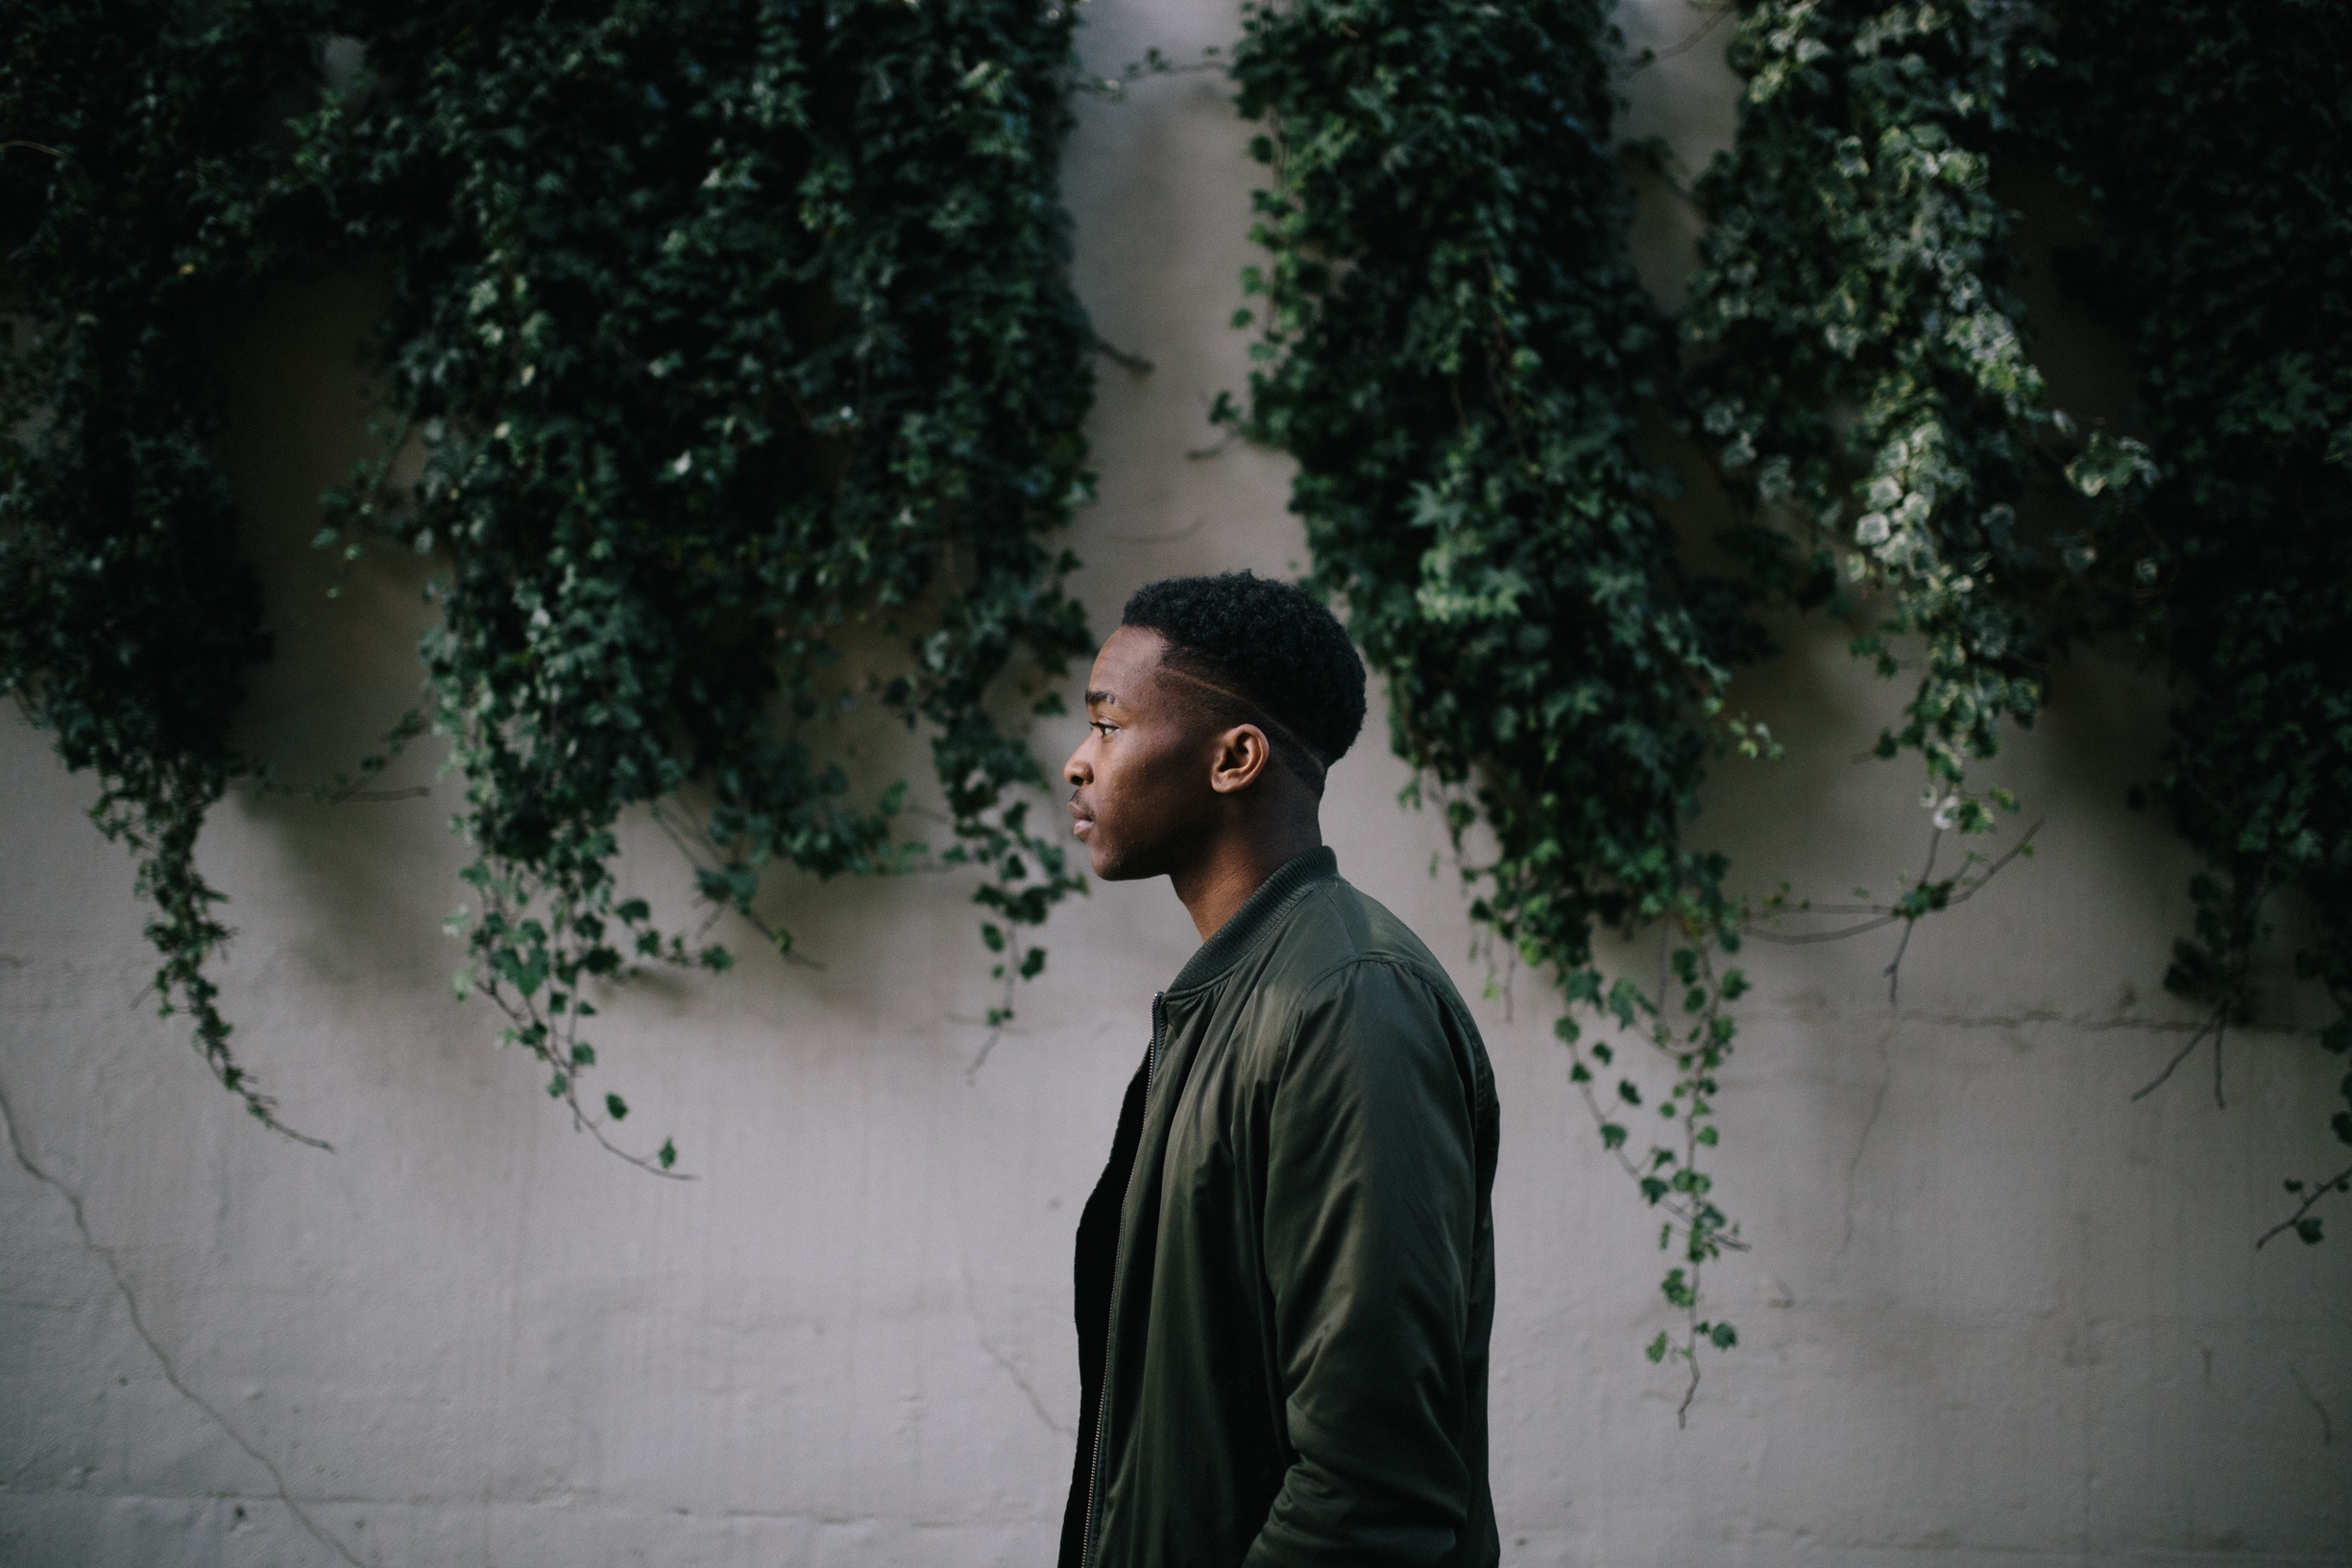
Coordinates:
<point>1109,865</point>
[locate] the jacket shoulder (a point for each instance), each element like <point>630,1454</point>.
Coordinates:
<point>1335,927</point>
<point>1350,989</point>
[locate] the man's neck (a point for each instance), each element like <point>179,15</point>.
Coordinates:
<point>1214,889</point>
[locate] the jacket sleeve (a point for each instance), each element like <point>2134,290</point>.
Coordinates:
<point>1371,1220</point>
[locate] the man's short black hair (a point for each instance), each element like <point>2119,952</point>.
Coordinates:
<point>1271,644</point>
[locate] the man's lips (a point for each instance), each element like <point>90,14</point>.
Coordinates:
<point>1082,818</point>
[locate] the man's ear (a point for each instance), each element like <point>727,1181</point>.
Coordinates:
<point>1242,755</point>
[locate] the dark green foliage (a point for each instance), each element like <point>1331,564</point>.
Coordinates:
<point>2218,141</point>
<point>1454,349</point>
<point>734,343</point>
<point>138,156</point>
<point>728,331</point>
<point>1862,380</point>
<point>733,374</point>
<point>1863,384</point>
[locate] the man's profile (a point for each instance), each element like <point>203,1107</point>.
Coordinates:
<point>1285,1279</point>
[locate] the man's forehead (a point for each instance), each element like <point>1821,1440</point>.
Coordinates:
<point>1126,669</point>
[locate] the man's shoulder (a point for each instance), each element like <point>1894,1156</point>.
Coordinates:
<point>1339,936</point>
<point>1345,985</point>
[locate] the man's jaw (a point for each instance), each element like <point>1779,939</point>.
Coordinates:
<point>1102,854</point>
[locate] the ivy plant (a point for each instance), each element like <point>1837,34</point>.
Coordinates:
<point>1860,374</point>
<point>730,335</point>
<point>733,381</point>
<point>733,350</point>
<point>2209,141</point>
<point>136,162</point>
<point>1454,347</point>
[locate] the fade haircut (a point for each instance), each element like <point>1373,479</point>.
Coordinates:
<point>1261,652</point>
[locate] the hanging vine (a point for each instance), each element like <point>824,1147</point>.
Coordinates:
<point>1863,381</point>
<point>726,332</point>
<point>1454,350</point>
<point>1454,347</point>
<point>1858,375</point>
<point>134,163</point>
<point>1861,377</point>
<point>737,348</point>
<point>2213,137</point>
<point>733,376</point>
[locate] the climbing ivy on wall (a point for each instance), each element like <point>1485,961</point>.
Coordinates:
<point>726,332</point>
<point>1858,374</point>
<point>733,381</point>
<point>1862,381</point>
<point>732,350</point>
<point>134,160</point>
<point>2212,140</point>
<point>1453,347</point>
<point>1861,376</point>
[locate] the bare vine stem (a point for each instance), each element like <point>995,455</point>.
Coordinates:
<point>2342,1181</point>
<point>347,788</point>
<point>1690,41</point>
<point>2216,1023</point>
<point>64,158</point>
<point>1132,363</point>
<point>1962,885</point>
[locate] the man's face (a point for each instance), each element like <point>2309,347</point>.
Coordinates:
<point>1144,804</point>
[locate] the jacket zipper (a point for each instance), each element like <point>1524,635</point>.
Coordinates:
<point>1102,1410</point>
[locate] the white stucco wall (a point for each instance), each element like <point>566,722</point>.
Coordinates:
<point>1994,1313</point>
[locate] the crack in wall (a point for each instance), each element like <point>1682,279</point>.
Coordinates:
<point>536,1509</point>
<point>1862,1145</point>
<point>2085,1023</point>
<point>1019,1377</point>
<point>2327,1428</point>
<point>138,1325</point>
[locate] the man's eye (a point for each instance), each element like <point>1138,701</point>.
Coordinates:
<point>1102,727</point>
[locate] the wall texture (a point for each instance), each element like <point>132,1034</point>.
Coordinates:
<point>1995,1312</point>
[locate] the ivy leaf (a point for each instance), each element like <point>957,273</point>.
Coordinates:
<point>1677,1289</point>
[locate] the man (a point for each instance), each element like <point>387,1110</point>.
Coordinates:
<point>1286,1276</point>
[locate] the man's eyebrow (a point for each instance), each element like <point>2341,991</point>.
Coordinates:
<point>1097,698</point>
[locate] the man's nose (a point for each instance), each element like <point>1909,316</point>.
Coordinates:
<point>1077,770</point>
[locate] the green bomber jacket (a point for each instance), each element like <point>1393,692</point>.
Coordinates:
<point>1285,1280</point>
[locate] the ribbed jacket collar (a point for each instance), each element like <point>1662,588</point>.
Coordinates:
<point>1255,918</point>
